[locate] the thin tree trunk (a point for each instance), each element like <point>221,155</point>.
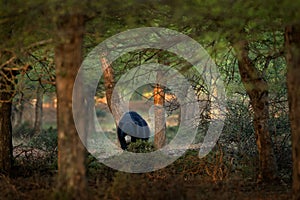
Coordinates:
<point>109,84</point>
<point>257,89</point>
<point>71,152</point>
<point>38,110</point>
<point>19,111</point>
<point>292,44</point>
<point>159,112</point>
<point>91,129</point>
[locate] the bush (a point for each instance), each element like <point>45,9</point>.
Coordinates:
<point>100,113</point>
<point>281,133</point>
<point>141,146</point>
<point>40,154</point>
<point>171,182</point>
<point>46,140</point>
<point>99,171</point>
<point>23,131</point>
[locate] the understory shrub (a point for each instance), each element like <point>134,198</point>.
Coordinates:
<point>23,131</point>
<point>46,140</point>
<point>141,146</point>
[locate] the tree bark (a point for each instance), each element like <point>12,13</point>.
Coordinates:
<point>6,96</point>
<point>292,44</point>
<point>38,110</point>
<point>71,152</point>
<point>109,84</point>
<point>159,112</point>
<point>19,109</point>
<point>257,89</point>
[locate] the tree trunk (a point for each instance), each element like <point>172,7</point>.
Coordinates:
<point>159,112</point>
<point>91,129</point>
<point>6,96</point>
<point>71,152</point>
<point>257,89</point>
<point>19,111</point>
<point>109,84</point>
<point>292,44</point>
<point>5,132</point>
<point>38,110</point>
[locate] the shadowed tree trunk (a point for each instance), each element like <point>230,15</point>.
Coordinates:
<point>7,92</point>
<point>159,112</point>
<point>257,89</point>
<point>292,44</point>
<point>71,152</point>
<point>5,123</point>
<point>7,86</point>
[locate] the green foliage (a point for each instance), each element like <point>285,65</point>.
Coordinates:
<point>24,131</point>
<point>47,140</point>
<point>141,146</point>
<point>100,113</point>
<point>281,136</point>
<point>171,131</point>
<point>238,137</point>
<point>238,132</point>
<point>40,154</point>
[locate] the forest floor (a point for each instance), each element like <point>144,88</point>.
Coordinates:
<point>41,186</point>
<point>187,178</point>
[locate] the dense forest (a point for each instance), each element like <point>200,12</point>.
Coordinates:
<point>150,99</point>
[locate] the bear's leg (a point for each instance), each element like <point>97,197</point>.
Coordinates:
<point>121,137</point>
<point>133,139</point>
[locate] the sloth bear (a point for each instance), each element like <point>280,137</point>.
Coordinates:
<point>135,126</point>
